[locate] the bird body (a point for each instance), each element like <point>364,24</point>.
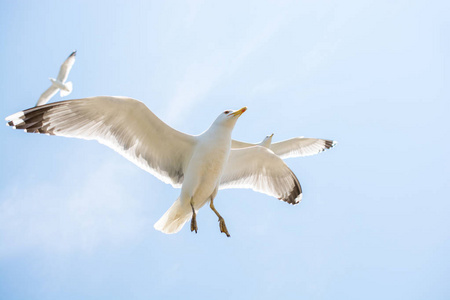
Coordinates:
<point>202,176</point>
<point>200,165</point>
<point>65,88</point>
<point>59,83</point>
<point>206,166</point>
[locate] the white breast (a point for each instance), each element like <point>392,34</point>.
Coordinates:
<point>206,167</point>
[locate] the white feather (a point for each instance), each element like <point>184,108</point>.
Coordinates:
<point>58,83</point>
<point>295,147</point>
<point>259,169</point>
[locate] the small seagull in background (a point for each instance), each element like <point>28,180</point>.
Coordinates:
<point>295,147</point>
<point>60,82</point>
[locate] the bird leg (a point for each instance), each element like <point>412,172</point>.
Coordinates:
<point>194,219</point>
<point>223,227</point>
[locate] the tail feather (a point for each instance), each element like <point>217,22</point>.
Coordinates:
<point>174,218</point>
<point>69,86</point>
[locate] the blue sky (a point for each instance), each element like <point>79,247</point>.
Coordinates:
<point>76,219</point>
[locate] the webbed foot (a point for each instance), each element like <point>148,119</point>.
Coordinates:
<point>223,227</point>
<point>194,220</point>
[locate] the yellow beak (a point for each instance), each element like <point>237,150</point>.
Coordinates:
<point>239,112</point>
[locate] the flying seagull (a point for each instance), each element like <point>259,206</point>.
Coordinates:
<point>200,165</point>
<point>60,82</point>
<point>295,147</point>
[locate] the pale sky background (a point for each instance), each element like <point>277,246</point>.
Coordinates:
<point>76,218</point>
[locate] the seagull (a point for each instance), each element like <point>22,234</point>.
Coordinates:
<point>200,165</point>
<point>60,82</point>
<point>295,147</point>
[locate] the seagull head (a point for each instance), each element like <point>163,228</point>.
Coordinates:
<point>267,141</point>
<point>229,117</point>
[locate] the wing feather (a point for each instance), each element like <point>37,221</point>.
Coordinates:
<point>301,146</point>
<point>47,95</point>
<point>238,144</point>
<point>259,169</point>
<point>66,67</point>
<point>123,124</point>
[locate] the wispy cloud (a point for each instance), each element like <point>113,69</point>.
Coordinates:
<point>46,218</point>
<point>193,8</point>
<point>258,38</point>
<point>198,80</point>
<point>265,87</point>
<point>202,76</point>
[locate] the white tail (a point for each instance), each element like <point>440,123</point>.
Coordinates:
<point>174,218</point>
<point>64,93</point>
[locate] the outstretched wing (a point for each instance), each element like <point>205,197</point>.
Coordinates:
<point>301,146</point>
<point>66,67</point>
<point>47,95</point>
<point>259,169</point>
<point>238,144</point>
<point>123,124</point>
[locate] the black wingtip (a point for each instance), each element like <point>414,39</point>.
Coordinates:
<point>32,120</point>
<point>74,53</point>
<point>296,194</point>
<point>330,144</point>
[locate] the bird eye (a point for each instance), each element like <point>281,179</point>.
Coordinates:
<point>227,112</point>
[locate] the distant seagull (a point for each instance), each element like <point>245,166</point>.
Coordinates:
<point>60,82</point>
<point>200,165</point>
<point>295,147</point>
